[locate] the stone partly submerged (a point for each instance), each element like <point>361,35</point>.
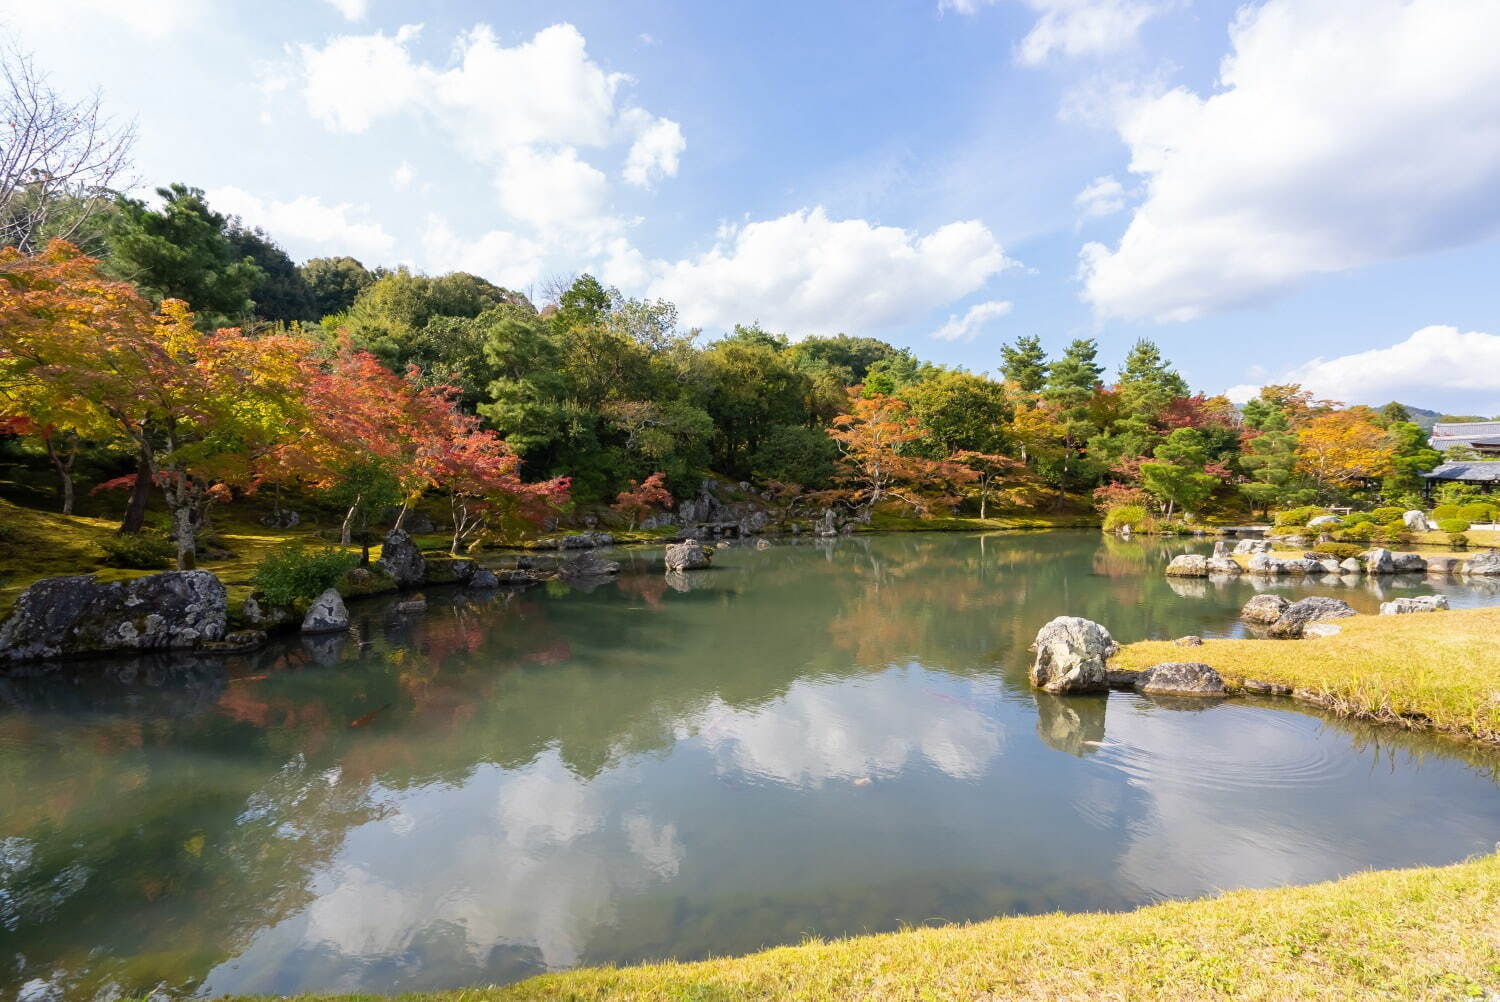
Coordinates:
<point>402,559</point>
<point>1313,609</point>
<point>1381,561</point>
<point>1483,564</point>
<point>1264,608</point>
<point>1410,604</point>
<point>688,555</point>
<point>1188,565</point>
<point>327,614</point>
<point>1072,655</point>
<point>1181,678</point>
<point>1253,546</point>
<point>79,616</point>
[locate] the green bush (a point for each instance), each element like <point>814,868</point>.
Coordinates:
<point>1296,518</point>
<point>1458,540</point>
<point>1478,512</point>
<point>1452,525</point>
<point>144,551</point>
<point>1132,515</point>
<point>293,571</point>
<point>1387,514</point>
<point>1444,511</point>
<point>1339,551</point>
<point>1393,532</point>
<point>1363,532</point>
<point>1359,518</point>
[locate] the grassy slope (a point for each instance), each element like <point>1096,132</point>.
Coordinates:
<point>1406,934</point>
<point>1438,670</point>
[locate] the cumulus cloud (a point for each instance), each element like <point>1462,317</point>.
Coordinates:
<point>402,176</point>
<point>1344,132</point>
<point>963,328</point>
<point>655,152</point>
<point>152,20</point>
<point>1103,196</point>
<point>355,79</point>
<point>805,273</point>
<point>342,228</point>
<point>1073,27</point>
<point>353,10</point>
<point>551,188</point>
<point>1436,366</point>
<point>504,257</point>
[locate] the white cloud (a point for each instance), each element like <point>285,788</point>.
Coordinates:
<point>353,10</point>
<point>341,228</point>
<point>805,273</point>
<point>657,147</point>
<point>1103,196</point>
<point>1073,27</point>
<point>501,256</point>
<point>402,176</point>
<point>149,19</point>
<point>355,79</point>
<point>963,328</point>
<point>551,189</point>
<point>1346,132</point>
<point>1437,366</point>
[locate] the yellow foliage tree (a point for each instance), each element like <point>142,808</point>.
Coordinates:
<point>1342,448</point>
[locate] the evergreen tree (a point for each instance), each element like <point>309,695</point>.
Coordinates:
<point>1025,363</point>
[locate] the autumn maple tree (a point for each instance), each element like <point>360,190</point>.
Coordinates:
<point>1339,449</point>
<point>638,500</point>
<point>871,437</point>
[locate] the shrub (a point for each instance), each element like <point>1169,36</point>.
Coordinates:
<point>1478,512</point>
<point>1393,532</point>
<point>1444,511</point>
<point>1132,515</point>
<point>1359,518</point>
<point>1339,551</point>
<point>1452,525</point>
<point>144,551</point>
<point>1387,514</point>
<point>1296,517</point>
<point>293,571</point>
<point>1361,533</point>
<point>1458,540</point>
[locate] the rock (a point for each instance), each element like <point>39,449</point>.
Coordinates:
<point>1421,603</point>
<point>72,616</point>
<point>1181,678</point>
<point>1188,565</point>
<point>1264,609</point>
<point>1410,563</point>
<point>1380,561</point>
<point>1253,546</point>
<point>1442,565</point>
<point>687,556</point>
<point>1483,564</point>
<point>449,570</point>
<point>415,604</point>
<point>1315,608</point>
<point>237,642</point>
<point>1312,631</point>
<point>827,524</point>
<point>721,544</point>
<point>587,566</point>
<point>283,518</point>
<point>1264,563</point>
<point>1266,688</point>
<point>1189,641</point>
<point>1224,565</point>
<point>1324,520</point>
<point>1221,548</point>
<point>762,544</point>
<point>402,560</point>
<point>585,541</point>
<point>257,612</point>
<point>1071,656</point>
<point>326,615</point>
<point>1417,521</point>
<point>513,579</point>
<point>484,578</point>
<point>1329,565</point>
<point>1301,565</point>
<point>1121,678</point>
<point>1351,566</point>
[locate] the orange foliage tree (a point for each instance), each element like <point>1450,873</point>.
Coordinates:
<point>640,499</point>
<point>1339,449</point>
<point>872,437</point>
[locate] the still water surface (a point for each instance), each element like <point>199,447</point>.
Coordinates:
<point>817,739</point>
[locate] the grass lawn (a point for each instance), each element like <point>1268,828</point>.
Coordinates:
<point>1025,519</point>
<point>1432,670</point>
<point>1401,934</point>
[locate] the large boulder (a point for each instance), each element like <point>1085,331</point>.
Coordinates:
<point>75,616</point>
<point>1409,563</point>
<point>1380,561</point>
<point>587,566</point>
<point>827,525</point>
<point>1483,564</point>
<point>1188,565</point>
<point>1322,520</point>
<point>1313,609</point>
<point>1443,565</point>
<point>1264,563</point>
<point>585,541</point>
<point>402,560</point>
<point>1350,565</point>
<point>688,555</point>
<point>1221,548</point>
<point>1181,678</point>
<point>327,614</point>
<point>1264,608</point>
<point>1407,605</point>
<point>1223,565</point>
<point>484,578</point>
<point>1253,546</point>
<point>1071,656</point>
<point>1417,521</point>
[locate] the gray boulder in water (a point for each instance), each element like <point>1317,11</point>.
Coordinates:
<point>1380,561</point>
<point>688,555</point>
<point>1264,609</point>
<point>1181,678</point>
<point>402,559</point>
<point>1072,655</point>
<point>1483,564</point>
<point>1409,563</point>
<point>1313,609</point>
<point>75,616</point>
<point>1188,565</point>
<point>1253,546</point>
<point>327,614</point>
<point>1410,604</point>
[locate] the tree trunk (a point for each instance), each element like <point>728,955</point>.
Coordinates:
<point>186,533</point>
<point>140,495</point>
<point>345,536</point>
<point>401,517</point>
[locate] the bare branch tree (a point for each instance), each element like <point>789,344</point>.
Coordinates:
<point>554,285</point>
<point>60,160</point>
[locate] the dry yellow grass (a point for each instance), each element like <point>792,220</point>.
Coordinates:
<point>1439,670</point>
<point>1403,934</point>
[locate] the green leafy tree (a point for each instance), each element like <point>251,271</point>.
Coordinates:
<point>336,282</point>
<point>792,454</point>
<point>959,412</point>
<point>183,251</point>
<point>1025,363</point>
<point>1271,460</point>
<point>281,295</point>
<point>1176,474</point>
<point>1414,457</point>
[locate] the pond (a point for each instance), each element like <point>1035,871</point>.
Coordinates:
<point>815,739</point>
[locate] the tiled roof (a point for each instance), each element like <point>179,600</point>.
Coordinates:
<point>1466,471</point>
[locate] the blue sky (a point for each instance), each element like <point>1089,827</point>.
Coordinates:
<point>1289,188</point>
